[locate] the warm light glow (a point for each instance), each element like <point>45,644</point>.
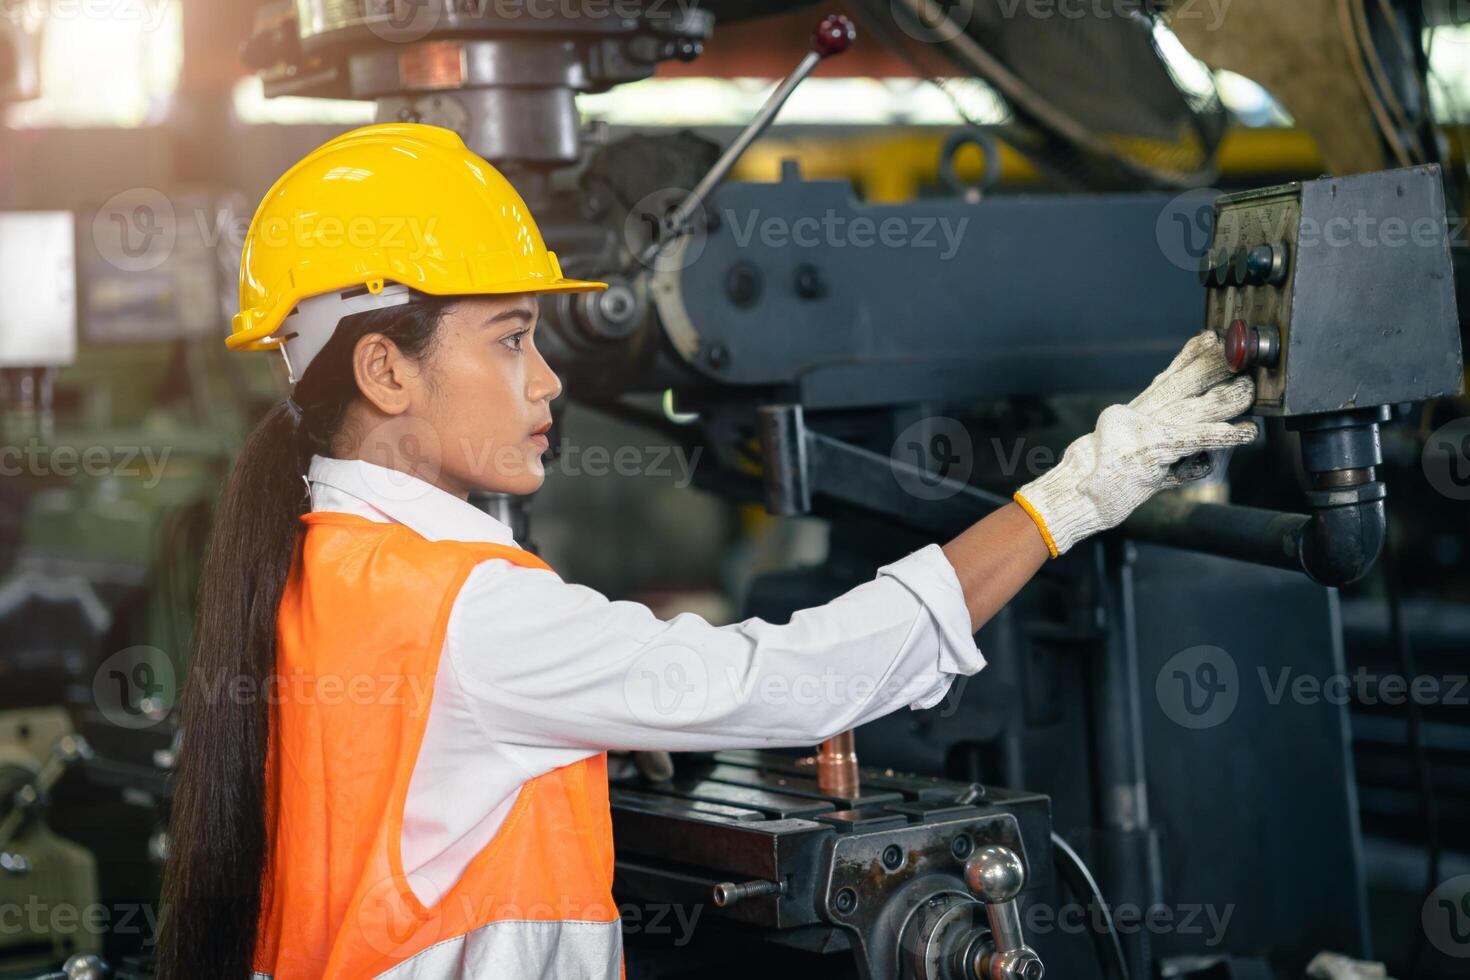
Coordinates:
<point>108,63</point>
<point>253,108</point>
<point>1449,66</point>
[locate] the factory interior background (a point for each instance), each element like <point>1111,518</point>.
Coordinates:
<point>955,243</point>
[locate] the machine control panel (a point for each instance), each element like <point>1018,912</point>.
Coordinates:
<point>1336,293</point>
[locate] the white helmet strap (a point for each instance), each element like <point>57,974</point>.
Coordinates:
<point>306,331</point>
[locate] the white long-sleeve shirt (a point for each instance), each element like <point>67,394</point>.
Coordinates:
<point>537,673</point>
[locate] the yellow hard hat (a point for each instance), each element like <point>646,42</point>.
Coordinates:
<point>392,203</point>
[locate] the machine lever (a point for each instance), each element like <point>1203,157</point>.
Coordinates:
<point>996,876</point>
<point>834,35</point>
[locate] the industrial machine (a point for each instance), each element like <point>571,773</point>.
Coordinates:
<point>1118,762</point>
<point>852,369</point>
<point>912,876</point>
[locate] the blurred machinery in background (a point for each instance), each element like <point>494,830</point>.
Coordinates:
<point>41,871</point>
<point>106,496</point>
<point>853,361</point>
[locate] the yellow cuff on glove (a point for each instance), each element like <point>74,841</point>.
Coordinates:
<point>1036,517</point>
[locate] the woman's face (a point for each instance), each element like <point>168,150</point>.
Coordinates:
<point>490,396</point>
<point>472,415</point>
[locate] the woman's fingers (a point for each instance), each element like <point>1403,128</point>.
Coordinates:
<point>1222,435</point>
<point>1218,404</point>
<point>1199,367</point>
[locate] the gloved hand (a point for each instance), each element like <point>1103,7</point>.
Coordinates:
<point>1104,475</point>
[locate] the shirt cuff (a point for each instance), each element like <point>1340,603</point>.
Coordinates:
<point>928,574</point>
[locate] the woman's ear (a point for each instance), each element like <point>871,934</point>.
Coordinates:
<point>383,374</point>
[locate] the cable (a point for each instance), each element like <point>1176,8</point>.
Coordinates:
<point>1385,88</point>
<point>1079,879</point>
<point>1355,56</point>
<point>1411,57</point>
<point>963,48</point>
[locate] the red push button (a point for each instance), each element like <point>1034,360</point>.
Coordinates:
<point>1239,339</point>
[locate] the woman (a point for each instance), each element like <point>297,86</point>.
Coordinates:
<point>396,718</point>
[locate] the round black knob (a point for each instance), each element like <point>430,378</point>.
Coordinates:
<point>1222,266</point>
<point>1266,264</point>
<point>1237,271</point>
<point>1206,268</point>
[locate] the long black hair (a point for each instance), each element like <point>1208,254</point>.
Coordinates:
<point>217,837</point>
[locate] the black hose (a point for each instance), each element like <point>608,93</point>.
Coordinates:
<point>1083,885</point>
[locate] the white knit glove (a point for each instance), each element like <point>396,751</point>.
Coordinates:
<point>1104,475</point>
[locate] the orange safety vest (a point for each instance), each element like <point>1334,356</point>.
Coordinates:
<point>360,629</point>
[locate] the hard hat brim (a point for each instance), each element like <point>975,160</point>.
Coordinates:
<point>259,338</point>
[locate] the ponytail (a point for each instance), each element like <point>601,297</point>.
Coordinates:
<point>218,836</point>
<point>212,891</point>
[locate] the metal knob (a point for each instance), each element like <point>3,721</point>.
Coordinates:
<point>996,876</point>
<point>86,966</point>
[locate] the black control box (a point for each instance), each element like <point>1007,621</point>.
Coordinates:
<point>1337,293</point>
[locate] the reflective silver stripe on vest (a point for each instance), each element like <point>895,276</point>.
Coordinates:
<point>518,949</point>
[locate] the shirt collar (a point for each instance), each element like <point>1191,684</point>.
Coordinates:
<point>420,506</point>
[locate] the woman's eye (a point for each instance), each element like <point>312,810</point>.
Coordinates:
<point>514,340</point>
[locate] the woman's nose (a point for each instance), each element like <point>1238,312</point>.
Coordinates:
<point>544,382</point>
